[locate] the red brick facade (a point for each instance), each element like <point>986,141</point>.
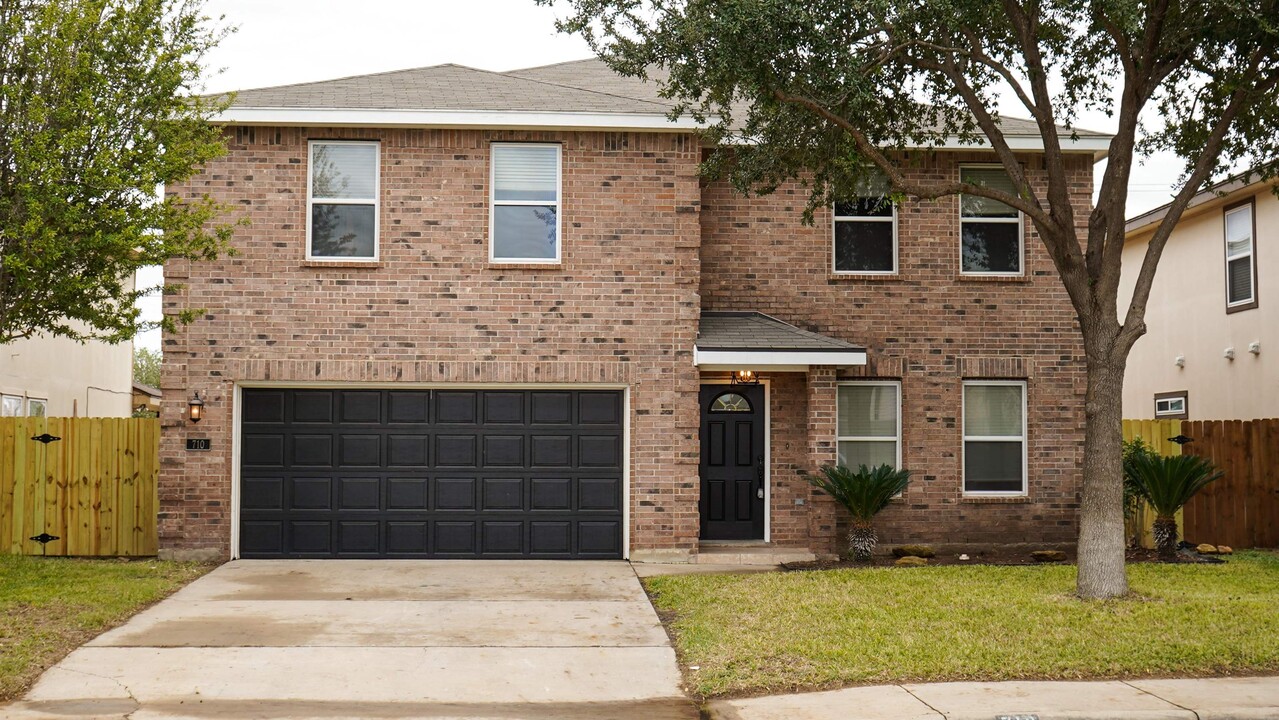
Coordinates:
<point>645,249</point>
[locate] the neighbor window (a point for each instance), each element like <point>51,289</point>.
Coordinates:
<point>524,225</point>
<point>868,424</point>
<point>1171,405</point>
<point>865,233</point>
<point>343,197</point>
<point>990,231</point>
<point>37,408</point>
<point>1240,268</point>
<point>995,437</point>
<point>10,406</point>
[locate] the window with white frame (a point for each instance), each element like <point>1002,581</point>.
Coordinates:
<point>1171,405</point>
<point>990,231</point>
<point>37,407</point>
<point>868,424</point>
<point>342,191</point>
<point>1240,268</point>
<point>524,221</point>
<point>995,437</point>
<point>10,406</point>
<point>865,232</point>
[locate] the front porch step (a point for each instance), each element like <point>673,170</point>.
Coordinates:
<point>749,553</point>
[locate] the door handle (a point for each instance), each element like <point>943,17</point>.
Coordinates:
<point>759,470</point>
<point>760,493</point>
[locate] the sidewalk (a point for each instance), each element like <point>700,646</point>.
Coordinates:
<point>1255,698</point>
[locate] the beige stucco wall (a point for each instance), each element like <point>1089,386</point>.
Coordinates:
<point>1187,316</point>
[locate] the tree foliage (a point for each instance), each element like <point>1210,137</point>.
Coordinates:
<point>826,91</point>
<point>146,366</point>
<point>99,107</point>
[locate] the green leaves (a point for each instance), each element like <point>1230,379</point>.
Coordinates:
<point>97,111</point>
<point>865,491</point>
<point>1168,483</point>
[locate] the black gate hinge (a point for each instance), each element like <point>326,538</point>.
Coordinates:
<point>45,537</point>
<point>46,438</point>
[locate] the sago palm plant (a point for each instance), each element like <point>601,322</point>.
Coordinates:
<point>864,492</point>
<point>1167,484</point>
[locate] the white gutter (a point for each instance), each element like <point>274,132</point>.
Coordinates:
<point>774,359</point>
<point>356,117</point>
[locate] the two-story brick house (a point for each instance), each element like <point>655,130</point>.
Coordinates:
<point>487,314</point>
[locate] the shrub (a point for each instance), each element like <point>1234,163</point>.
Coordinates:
<point>863,492</point>
<point>1167,484</point>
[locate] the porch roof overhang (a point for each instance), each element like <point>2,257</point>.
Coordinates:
<point>755,341</point>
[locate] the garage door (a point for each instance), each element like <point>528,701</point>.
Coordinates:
<point>431,473</point>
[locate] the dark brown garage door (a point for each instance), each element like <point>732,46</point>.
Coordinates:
<point>431,473</point>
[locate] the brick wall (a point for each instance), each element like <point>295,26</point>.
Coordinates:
<point>620,310</point>
<point>928,327</point>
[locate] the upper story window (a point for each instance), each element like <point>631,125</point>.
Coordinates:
<point>995,437</point>
<point>524,221</point>
<point>865,233</point>
<point>990,231</point>
<point>1241,269</point>
<point>342,194</point>
<point>868,424</point>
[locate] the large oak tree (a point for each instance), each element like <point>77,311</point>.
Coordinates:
<point>99,107</point>
<point>824,90</point>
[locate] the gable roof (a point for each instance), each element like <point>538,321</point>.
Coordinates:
<point>575,94</point>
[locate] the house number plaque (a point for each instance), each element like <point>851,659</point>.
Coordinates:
<point>199,444</point>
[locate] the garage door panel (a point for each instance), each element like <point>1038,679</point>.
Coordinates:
<point>424,473</point>
<point>454,494</point>
<point>407,493</point>
<point>407,450</point>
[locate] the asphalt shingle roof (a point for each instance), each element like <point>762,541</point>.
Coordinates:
<point>577,86</point>
<point>756,331</point>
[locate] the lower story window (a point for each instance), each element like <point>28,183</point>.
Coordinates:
<point>37,407</point>
<point>11,406</point>
<point>995,437</point>
<point>869,424</point>
<point>1171,405</point>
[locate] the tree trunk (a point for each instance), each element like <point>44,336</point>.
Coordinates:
<point>1102,573</point>
<point>861,540</point>
<point>1165,531</point>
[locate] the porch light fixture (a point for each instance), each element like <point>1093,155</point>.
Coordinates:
<point>745,377</point>
<point>196,406</point>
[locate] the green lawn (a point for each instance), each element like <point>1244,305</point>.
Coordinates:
<point>775,632</point>
<point>49,606</point>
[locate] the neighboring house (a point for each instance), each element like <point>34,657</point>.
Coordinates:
<point>1211,350</point>
<point>485,314</point>
<point>146,398</point>
<point>58,377</point>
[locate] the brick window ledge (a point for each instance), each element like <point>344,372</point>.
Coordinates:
<point>343,264</point>
<point>995,500</point>
<point>993,278</point>
<point>847,277</point>
<point>525,266</point>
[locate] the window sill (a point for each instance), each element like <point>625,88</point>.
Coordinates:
<point>360,264</point>
<point>994,278</point>
<point>1251,305</point>
<point>995,499</point>
<point>525,266</point>
<point>868,277</point>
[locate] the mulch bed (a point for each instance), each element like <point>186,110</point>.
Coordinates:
<point>997,557</point>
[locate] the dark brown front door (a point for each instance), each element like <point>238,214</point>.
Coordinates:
<point>732,464</point>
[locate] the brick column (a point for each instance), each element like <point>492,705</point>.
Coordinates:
<point>822,450</point>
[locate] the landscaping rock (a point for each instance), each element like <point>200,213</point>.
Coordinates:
<point>1206,549</point>
<point>1225,550</point>
<point>919,551</point>
<point>911,561</point>
<point>1048,556</point>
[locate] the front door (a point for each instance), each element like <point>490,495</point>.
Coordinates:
<point>732,464</point>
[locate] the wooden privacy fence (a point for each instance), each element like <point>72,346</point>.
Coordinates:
<point>94,488</point>
<point>1242,508</point>
<point>1156,434</point>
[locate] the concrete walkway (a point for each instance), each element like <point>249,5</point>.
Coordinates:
<point>380,639</point>
<point>1198,699</point>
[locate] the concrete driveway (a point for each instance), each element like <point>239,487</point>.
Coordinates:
<point>374,639</point>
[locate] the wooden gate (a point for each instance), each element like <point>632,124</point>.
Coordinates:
<point>93,488</point>
<point>1242,508</point>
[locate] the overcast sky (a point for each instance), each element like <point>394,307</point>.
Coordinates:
<point>289,41</point>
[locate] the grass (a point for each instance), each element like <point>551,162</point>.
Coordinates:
<point>50,606</point>
<point>779,632</point>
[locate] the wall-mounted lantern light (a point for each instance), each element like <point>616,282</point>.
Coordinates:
<point>196,406</point>
<point>745,377</point>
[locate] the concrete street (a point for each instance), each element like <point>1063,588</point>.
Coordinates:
<point>374,639</point>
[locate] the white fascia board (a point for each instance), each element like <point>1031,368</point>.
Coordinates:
<point>1098,147</point>
<point>774,359</point>
<point>355,117</point>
